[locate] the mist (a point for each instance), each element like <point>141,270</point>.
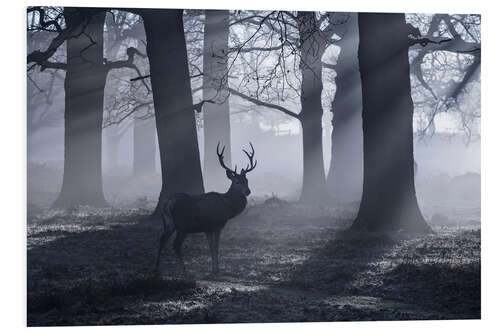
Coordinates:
<point>321,153</point>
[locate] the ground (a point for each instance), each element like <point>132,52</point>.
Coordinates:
<point>280,262</point>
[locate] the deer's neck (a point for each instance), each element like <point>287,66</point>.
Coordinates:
<point>235,201</point>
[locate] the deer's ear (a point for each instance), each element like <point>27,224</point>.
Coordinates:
<point>229,174</point>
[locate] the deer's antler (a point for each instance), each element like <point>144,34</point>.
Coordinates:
<point>252,164</point>
<point>221,158</point>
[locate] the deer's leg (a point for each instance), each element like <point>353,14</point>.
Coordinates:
<point>179,239</point>
<point>168,230</point>
<point>215,236</point>
<point>210,238</point>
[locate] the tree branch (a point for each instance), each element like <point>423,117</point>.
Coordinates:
<point>129,62</point>
<point>425,41</point>
<point>38,57</point>
<point>261,103</point>
<point>469,74</point>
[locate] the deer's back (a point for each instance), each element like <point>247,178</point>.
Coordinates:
<point>199,213</point>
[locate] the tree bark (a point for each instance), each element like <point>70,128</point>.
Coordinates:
<point>216,121</point>
<point>84,98</point>
<point>345,176</point>
<point>314,182</point>
<point>144,147</point>
<point>113,139</point>
<point>313,177</point>
<point>388,202</point>
<point>173,103</point>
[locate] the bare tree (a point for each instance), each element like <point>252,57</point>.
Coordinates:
<point>281,45</point>
<point>388,201</point>
<point>216,120</point>
<point>345,176</point>
<point>124,30</point>
<point>173,102</point>
<point>445,64</point>
<point>86,72</point>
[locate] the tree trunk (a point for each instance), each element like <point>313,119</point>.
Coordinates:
<point>84,99</point>
<point>313,179</point>
<point>144,147</point>
<point>112,144</point>
<point>388,202</point>
<point>216,122</point>
<point>173,103</point>
<point>345,176</point>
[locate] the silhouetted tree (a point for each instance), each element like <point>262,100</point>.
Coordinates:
<point>345,176</point>
<point>84,99</point>
<point>299,38</point>
<point>216,122</point>
<point>173,103</point>
<point>44,104</point>
<point>388,201</point>
<point>144,146</point>
<point>86,73</point>
<point>311,50</point>
<point>445,63</point>
<point>125,99</point>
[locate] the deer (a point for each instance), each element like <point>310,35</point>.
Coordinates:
<point>205,213</point>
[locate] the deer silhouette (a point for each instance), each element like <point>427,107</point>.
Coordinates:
<point>208,213</point>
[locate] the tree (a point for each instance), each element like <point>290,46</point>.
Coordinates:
<point>216,121</point>
<point>144,146</point>
<point>173,102</point>
<point>113,135</point>
<point>388,201</point>
<point>44,98</point>
<point>84,99</point>
<point>345,176</point>
<point>311,50</point>
<point>124,30</point>
<point>445,63</point>
<point>84,83</point>
<point>280,41</point>
<point>44,88</point>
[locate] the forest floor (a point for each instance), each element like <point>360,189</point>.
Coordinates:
<point>280,262</point>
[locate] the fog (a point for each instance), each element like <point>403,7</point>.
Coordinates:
<point>321,166</point>
<point>279,155</point>
<point>444,149</point>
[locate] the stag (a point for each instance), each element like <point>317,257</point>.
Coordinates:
<point>208,213</point>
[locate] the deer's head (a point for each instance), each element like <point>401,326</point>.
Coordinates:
<point>239,181</point>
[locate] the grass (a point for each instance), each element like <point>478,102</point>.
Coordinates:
<point>280,262</point>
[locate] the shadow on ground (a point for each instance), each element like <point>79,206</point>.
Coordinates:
<point>280,263</point>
